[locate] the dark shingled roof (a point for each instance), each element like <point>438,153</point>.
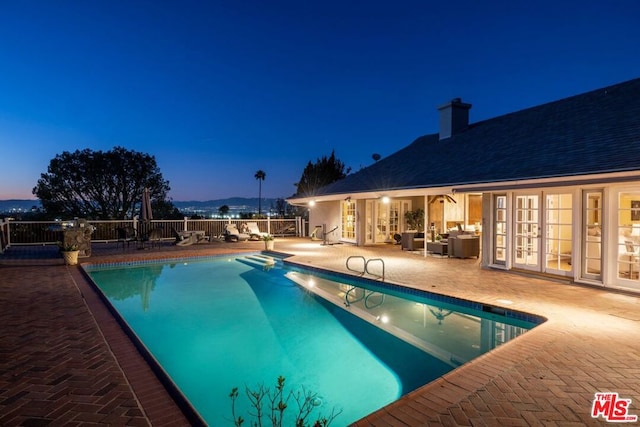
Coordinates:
<point>595,132</point>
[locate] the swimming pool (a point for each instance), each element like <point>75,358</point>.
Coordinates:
<point>221,322</point>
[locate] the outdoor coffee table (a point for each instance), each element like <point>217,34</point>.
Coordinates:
<point>440,248</point>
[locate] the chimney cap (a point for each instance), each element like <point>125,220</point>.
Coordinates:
<point>457,102</point>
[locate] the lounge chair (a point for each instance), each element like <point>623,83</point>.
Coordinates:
<point>182,239</point>
<point>287,230</point>
<point>254,232</point>
<point>232,234</point>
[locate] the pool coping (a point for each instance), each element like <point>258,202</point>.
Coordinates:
<point>158,405</point>
<point>447,299</point>
<point>191,414</point>
<point>161,399</point>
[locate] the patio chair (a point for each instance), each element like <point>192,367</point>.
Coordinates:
<point>254,232</point>
<point>232,234</point>
<point>154,237</point>
<point>464,246</point>
<point>126,234</point>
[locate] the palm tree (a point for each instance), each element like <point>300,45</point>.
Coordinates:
<point>260,176</point>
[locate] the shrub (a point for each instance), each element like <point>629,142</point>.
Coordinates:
<point>269,406</point>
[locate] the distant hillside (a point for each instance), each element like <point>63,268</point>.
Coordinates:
<point>236,205</point>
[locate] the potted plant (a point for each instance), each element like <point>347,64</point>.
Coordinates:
<point>415,220</point>
<point>69,253</point>
<point>268,242</point>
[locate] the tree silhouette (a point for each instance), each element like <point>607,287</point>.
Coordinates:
<point>223,210</point>
<point>260,176</point>
<point>99,184</point>
<point>323,172</point>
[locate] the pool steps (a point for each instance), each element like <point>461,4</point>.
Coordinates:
<point>258,260</point>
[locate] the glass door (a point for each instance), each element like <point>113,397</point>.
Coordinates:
<point>368,226</point>
<point>592,235</point>
<point>628,250</point>
<point>526,245</point>
<point>558,234</point>
<point>382,223</point>
<point>383,219</point>
<point>500,229</point>
<point>349,220</point>
<point>394,218</point>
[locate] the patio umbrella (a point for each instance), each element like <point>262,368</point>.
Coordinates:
<point>146,215</point>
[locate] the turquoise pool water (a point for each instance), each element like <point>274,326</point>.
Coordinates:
<point>218,323</point>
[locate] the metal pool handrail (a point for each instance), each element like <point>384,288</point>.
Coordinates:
<point>364,264</point>
<point>365,267</point>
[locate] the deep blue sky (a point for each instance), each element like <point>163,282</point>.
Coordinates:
<point>217,90</point>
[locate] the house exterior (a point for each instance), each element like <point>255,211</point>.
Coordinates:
<point>551,189</point>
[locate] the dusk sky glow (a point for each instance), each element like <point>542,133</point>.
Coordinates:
<point>218,90</point>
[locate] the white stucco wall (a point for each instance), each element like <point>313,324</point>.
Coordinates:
<point>327,213</point>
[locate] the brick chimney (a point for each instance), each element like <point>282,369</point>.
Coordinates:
<point>454,118</point>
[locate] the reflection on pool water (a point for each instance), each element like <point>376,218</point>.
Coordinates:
<point>221,322</point>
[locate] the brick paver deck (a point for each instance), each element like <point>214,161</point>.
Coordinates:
<point>65,361</point>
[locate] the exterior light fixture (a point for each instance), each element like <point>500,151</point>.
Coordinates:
<point>384,318</point>
<point>385,199</point>
<point>312,203</point>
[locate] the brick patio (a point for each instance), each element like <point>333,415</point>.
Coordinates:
<point>65,361</point>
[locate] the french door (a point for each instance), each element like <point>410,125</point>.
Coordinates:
<point>526,243</point>
<point>383,220</point>
<point>543,232</point>
<point>592,220</point>
<point>628,245</point>
<point>500,229</point>
<point>382,232</point>
<point>558,226</point>
<point>349,221</point>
